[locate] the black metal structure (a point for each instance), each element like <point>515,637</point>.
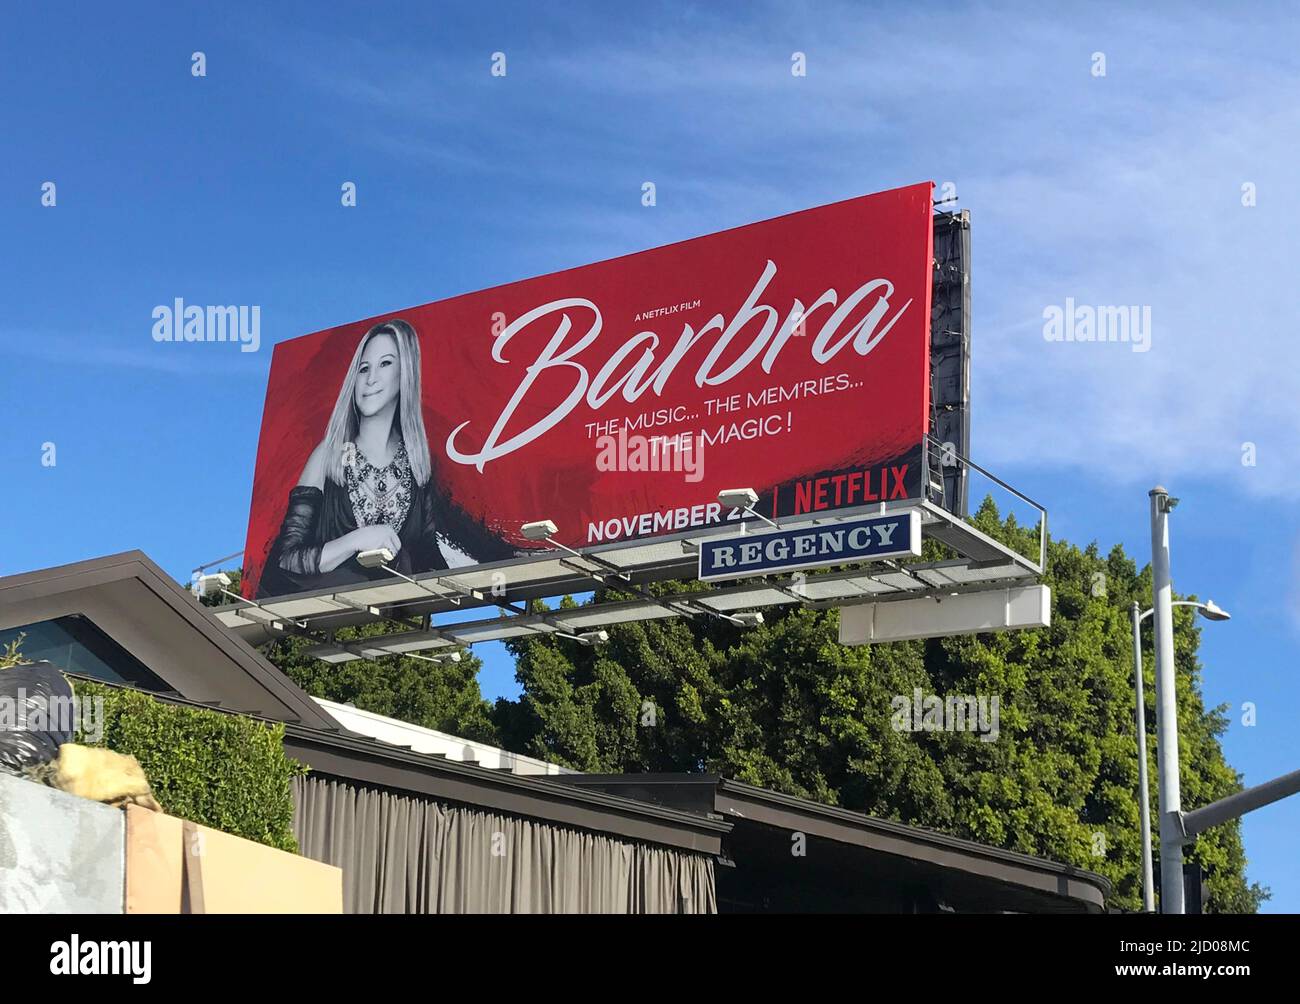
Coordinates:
<point>950,362</point>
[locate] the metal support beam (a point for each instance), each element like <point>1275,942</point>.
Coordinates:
<point>1200,820</point>
<point>965,613</point>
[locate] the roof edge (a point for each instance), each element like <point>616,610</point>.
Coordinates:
<point>919,834</point>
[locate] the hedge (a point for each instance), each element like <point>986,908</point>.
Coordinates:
<point>220,770</point>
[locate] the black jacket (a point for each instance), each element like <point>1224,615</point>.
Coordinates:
<point>314,517</point>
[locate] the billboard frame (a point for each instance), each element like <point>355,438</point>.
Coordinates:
<point>981,564</point>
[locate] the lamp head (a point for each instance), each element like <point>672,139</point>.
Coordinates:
<point>211,585</point>
<point>538,530</point>
<point>374,558</point>
<point>738,498</point>
<point>1213,612</point>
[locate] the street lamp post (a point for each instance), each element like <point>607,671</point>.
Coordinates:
<point>1148,885</point>
<point>1211,612</point>
<point>1177,827</point>
<point>1170,796</point>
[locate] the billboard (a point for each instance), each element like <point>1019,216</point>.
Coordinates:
<point>790,356</point>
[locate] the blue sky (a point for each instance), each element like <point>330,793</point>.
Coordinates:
<point>1123,189</point>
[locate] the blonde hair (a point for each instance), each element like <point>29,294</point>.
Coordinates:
<point>344,421</point>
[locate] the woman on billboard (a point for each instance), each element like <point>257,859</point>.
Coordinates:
<point>369,484</point>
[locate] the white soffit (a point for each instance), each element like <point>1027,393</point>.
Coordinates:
<point>606,614</point>
<point>935,617</point>
<point>473,632</point>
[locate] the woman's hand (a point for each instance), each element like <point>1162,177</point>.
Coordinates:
<point>363,538</point>
<point>371,538</point>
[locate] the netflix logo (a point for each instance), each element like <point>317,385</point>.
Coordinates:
<point>842,491</point>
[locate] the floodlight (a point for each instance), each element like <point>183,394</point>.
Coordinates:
<point>449,657</point>
<point>738,498</point>
<point>211,585</point>
<point>539,530</point>
<point>374,558</point>
<point>1213,612</point>
<point>744,499</point>
<point>593,637</point>
<point>750,618</point>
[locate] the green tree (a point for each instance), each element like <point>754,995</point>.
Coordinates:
<point>11,654</point>
<point>785,706</point>
<point>443,696</point>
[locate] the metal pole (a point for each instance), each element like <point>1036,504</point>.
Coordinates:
<point>1144,799</point>
<point>1234,806</point>
<point>1171,846</point>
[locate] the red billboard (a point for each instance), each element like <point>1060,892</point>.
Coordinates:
<point>617,399</point>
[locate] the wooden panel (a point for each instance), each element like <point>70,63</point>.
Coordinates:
<point>154,861</point>
<point>176,866</point>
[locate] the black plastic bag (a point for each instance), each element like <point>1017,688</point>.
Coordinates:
<point>33,694</point>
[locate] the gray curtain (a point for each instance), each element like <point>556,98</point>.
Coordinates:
<point>407,854</point>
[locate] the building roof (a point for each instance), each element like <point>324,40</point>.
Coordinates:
<point>137,605</point>
<point>422,740</point>
<point>162,625</point>
<point>379,764</point>
<point>159,622</point>
<point>973,876</point>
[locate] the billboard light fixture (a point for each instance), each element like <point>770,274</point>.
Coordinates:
<point>449,657</point>
<point>211,585</point>
<point>380,557</point>
<point>539,530</point>
<point>744,499</point>
<point>588,638</point>
<point>738,498</point>
<point>359,649</point>
<point>375,558</point>
<point>217,583</point>
<point>544,530</point>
